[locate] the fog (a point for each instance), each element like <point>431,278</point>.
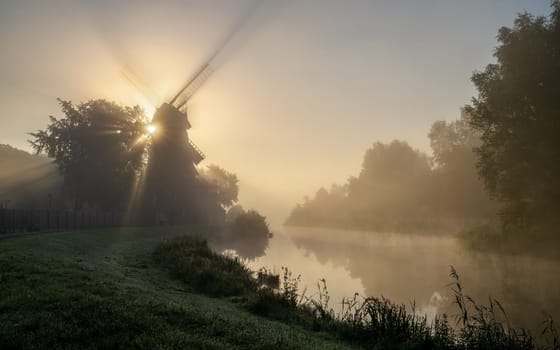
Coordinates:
<point>304,91</point>
<point>27,181</point>
<point>351,123</point>
<point>411,268</point>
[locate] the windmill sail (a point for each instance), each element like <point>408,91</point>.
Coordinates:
<point>202,74</point>
<point>196,153</point>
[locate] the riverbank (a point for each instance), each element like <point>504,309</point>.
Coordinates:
<point>101,289</point>
<point>151,288</point>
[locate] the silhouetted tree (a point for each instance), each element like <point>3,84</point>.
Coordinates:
<point>400,188</point>
<point>233,212</point>
<point>250,234</point>
<point>391,192</point>
<point>449,138</point>
<point>391,187</point>
<point>224,183</point>
<point>458,191</point>
<point>98,147</point>
<point>517,112</point>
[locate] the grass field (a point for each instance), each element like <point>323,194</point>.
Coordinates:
<point>101,289</point>
<point>147,288</point>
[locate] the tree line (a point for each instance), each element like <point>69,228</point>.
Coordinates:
<point>500,161</point>
<point>400,188</point>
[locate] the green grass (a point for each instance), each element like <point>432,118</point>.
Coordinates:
<point>154,288</point>
<point>192,261</point>
<point>101,289</point>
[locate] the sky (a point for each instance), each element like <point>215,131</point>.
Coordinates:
<point>294,100</point>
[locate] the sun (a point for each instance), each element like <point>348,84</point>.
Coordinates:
<point>151,128</point>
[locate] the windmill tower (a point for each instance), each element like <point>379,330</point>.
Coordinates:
<point>172,191</point>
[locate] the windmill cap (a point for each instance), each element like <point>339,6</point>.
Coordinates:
<point>167,117</point>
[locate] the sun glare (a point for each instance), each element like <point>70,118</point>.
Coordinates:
<point>149,109</point>
<point>151,128</point>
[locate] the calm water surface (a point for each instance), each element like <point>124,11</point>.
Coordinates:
<point>406,268</point>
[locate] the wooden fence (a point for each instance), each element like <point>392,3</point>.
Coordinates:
<point>22,220</point>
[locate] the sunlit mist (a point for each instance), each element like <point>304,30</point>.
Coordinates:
<point>304,83</point>
<point>280,174</point>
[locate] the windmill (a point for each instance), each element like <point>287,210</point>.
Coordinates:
<point>172,190</point>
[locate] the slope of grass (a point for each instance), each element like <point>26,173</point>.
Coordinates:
<point>100,289</point>
<point>150,288</point>
<point>370,323</point>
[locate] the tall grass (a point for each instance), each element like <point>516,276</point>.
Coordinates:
<point>486,326</point>
<point>370,323</point>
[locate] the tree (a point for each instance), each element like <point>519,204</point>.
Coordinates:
<point>517,112</point>
<point>448,139</point>
<point>458,191</point>
<point>391,192</point>
<point>224,183</point>
<point>392,185</point>
<point>250,234</point>
<point>99,147</point>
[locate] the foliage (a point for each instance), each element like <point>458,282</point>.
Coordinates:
<point>96,147</point>
<point>224,183</point>
<point>267,278</point>
<point>458,191</point>
<point>233,212</point>
<point>449,138</point>
<point>487,327</point>
<point>101,289</point>
<point>278,304</point>
<point>378,323</point>
<point>250,225</point>
<point>402,189</point>
<point>191,260</point>
<point>248,233</point>
<point>391,184</point>
<point>245,232</point>
<point>516,113</point>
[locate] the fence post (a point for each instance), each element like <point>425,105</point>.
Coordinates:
<point>14,221</point>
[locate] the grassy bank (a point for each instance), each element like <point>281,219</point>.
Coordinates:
<point>370,323</point>
<point>101,289</point>
<point>156,288</point>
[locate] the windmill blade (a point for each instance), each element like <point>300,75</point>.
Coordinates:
<point>196,154</point>
<point>139,85</point>
<point>204,72</point>
<point>192,86</point>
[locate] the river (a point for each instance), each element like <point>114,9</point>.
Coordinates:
<point>407,267</point>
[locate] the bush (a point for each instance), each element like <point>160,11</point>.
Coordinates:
<point>190,260</point>
<point>250,225</point>
<point>249,233</point>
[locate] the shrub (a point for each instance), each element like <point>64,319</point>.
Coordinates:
<point>191,260</point>
<point>249,233</point>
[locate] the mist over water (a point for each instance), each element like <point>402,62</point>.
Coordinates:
<point>408,268</point>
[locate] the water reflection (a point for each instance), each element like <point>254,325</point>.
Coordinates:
<point>415,267</point>
<point>248,248</point>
